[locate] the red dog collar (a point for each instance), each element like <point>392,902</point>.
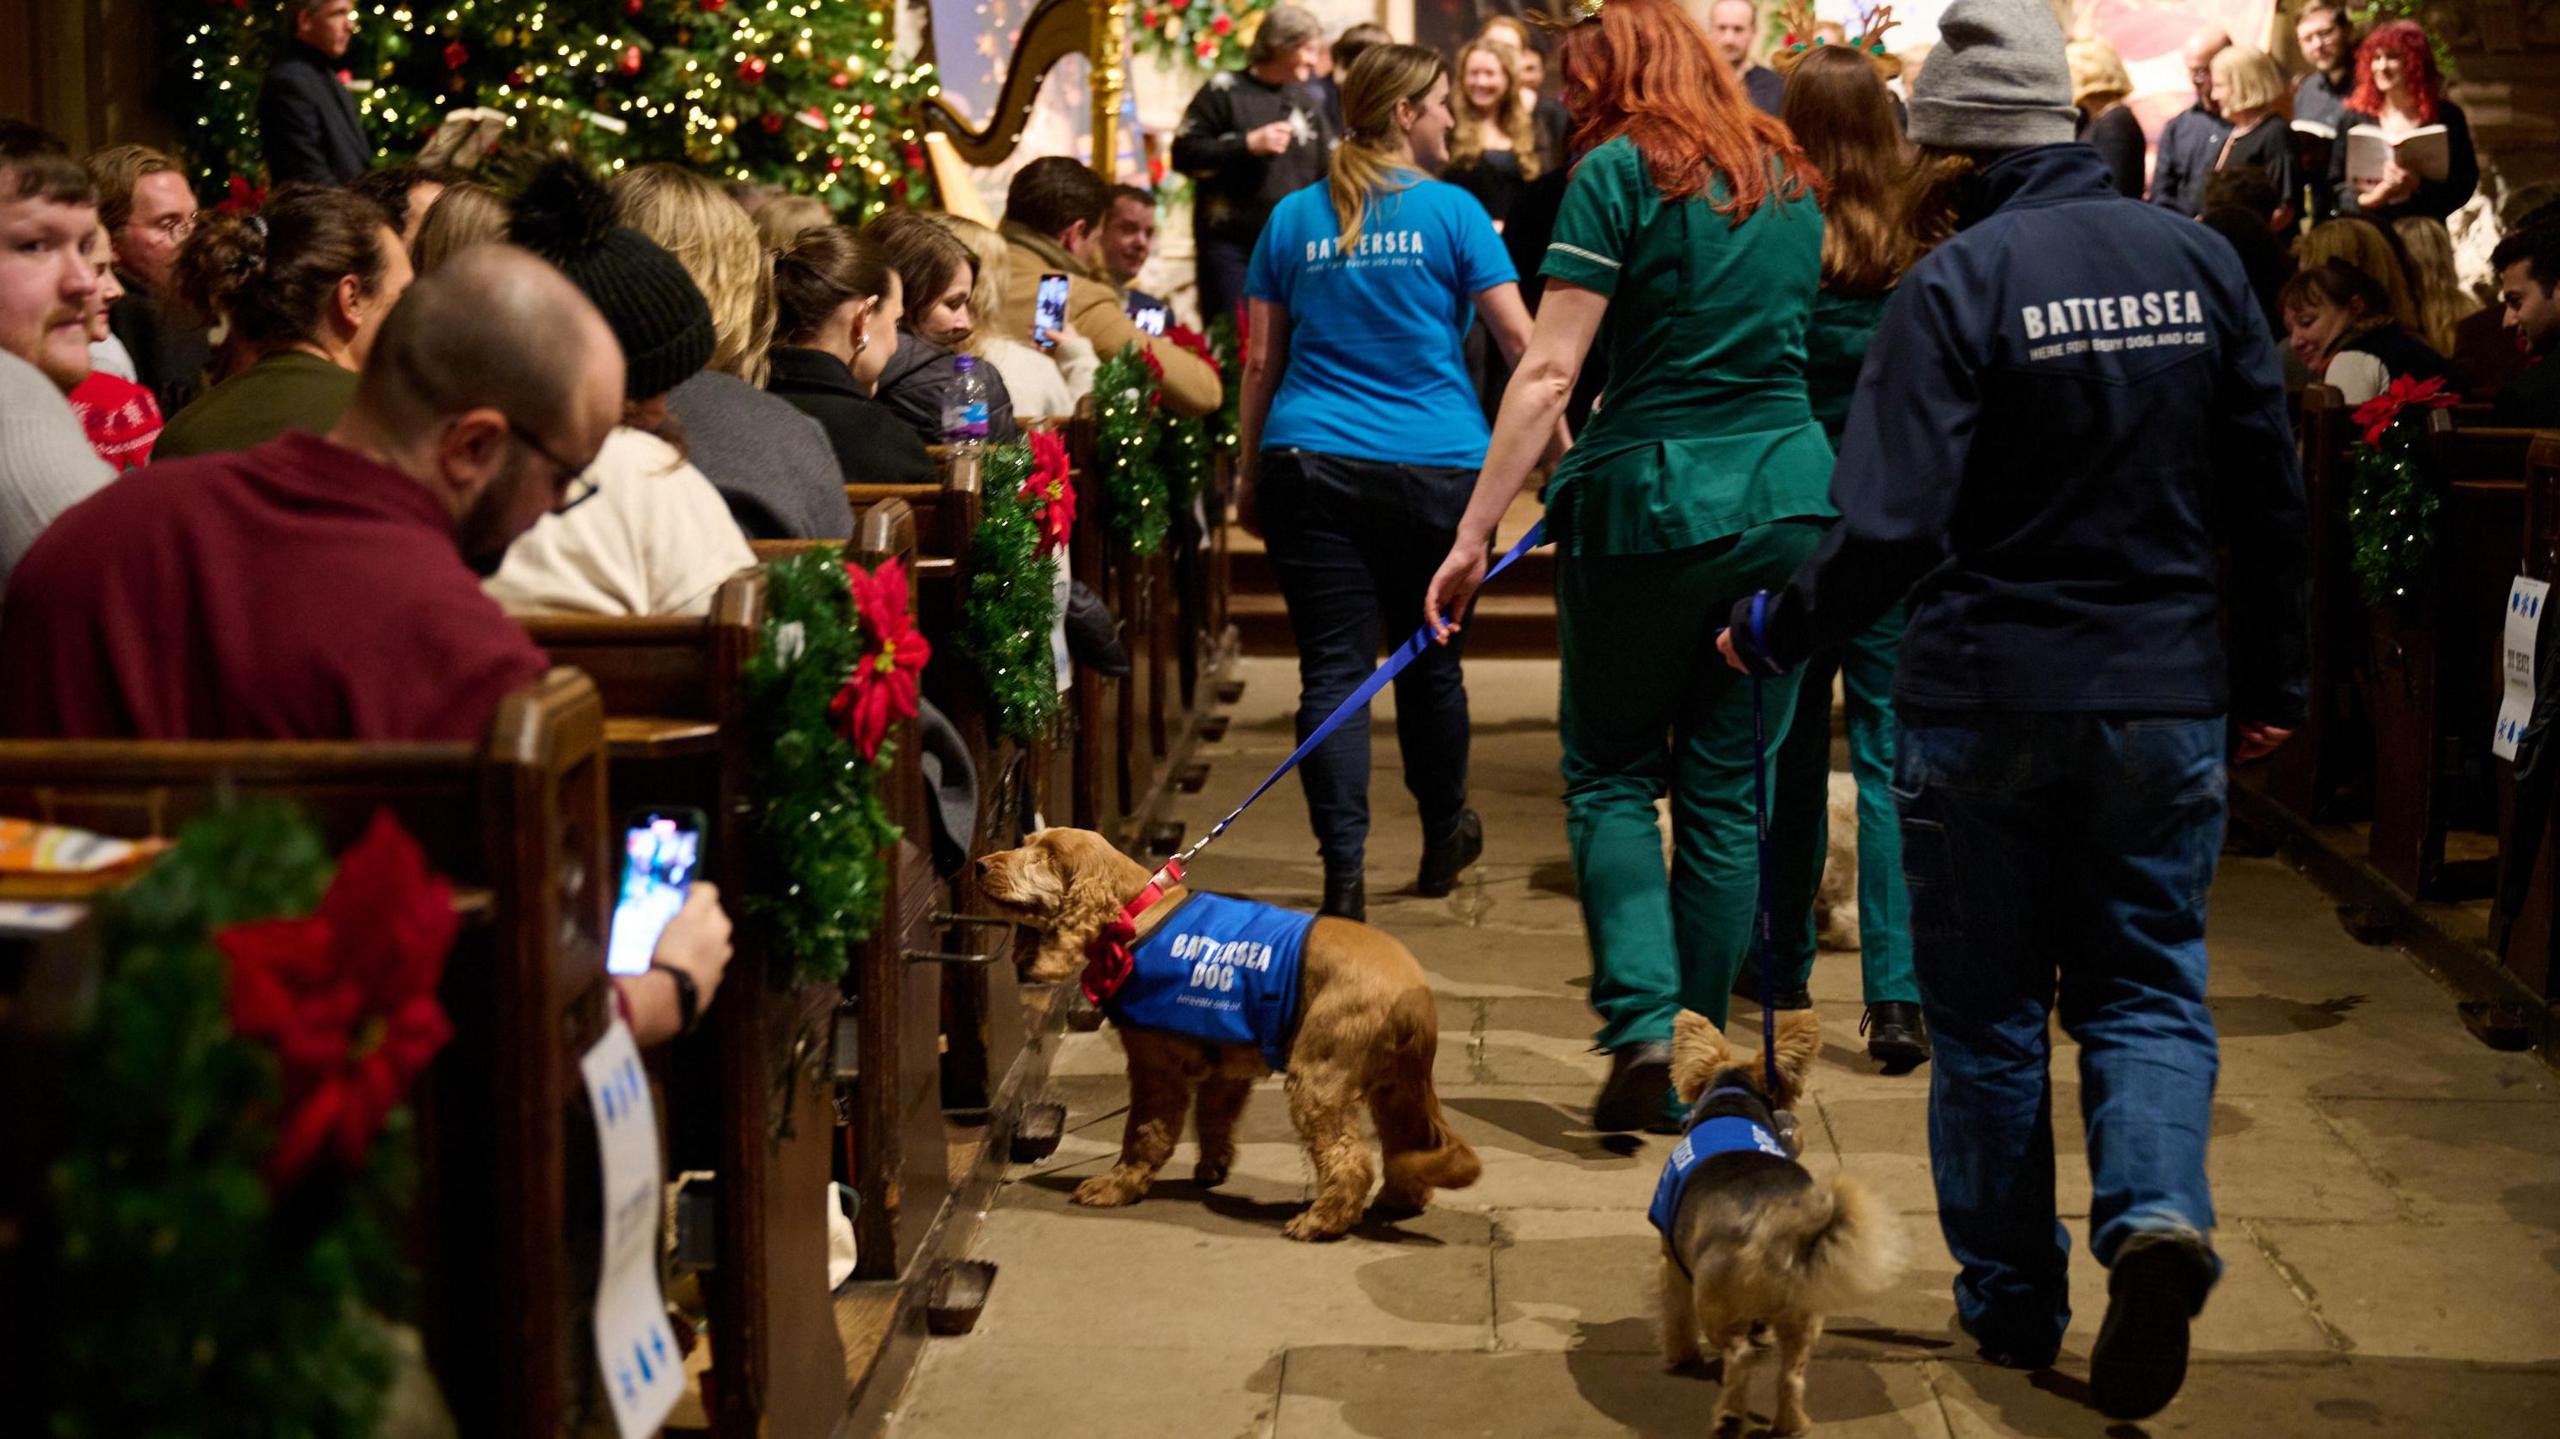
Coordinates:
<point>1109,959</point>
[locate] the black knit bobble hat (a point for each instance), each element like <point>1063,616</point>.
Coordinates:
<point>566,216</point>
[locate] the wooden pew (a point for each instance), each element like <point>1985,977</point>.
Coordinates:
<point>2435,684</point>
<point>2322,771</point>
<point>2526,930</point>
<point>507,1219</point>
<point>750,1095</point>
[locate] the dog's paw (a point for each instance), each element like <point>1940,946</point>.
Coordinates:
<point>1209,1174</point>
<point>1395,1203</point>
<point>1786,1423</point>
<point>1105,1191</point>
<point>1308,1229</point>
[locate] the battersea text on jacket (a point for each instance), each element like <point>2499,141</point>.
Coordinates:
<point>2065,408</point>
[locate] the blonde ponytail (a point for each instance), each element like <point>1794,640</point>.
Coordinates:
<point>1383,77</point>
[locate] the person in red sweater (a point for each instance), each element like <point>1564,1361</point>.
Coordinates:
<point>118,415</point>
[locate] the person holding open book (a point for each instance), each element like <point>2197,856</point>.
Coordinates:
<point>2406,149</point>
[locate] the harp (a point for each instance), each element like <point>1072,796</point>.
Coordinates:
<point>1096,29</point>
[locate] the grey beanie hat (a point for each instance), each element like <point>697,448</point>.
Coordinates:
<point>1996,81</point>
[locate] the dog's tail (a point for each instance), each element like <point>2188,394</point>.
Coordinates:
<point>1857,1252</point>
<point>1422,1151</point>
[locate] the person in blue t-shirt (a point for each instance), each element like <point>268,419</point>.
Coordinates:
<point>1362,436</point>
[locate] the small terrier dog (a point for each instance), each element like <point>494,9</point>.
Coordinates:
<point>1360,1030</point>
<point>1751,1241</point>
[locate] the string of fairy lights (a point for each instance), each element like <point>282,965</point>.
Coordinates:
<point>808,94</point>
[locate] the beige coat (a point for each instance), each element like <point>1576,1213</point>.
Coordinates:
<point>1191,385</point>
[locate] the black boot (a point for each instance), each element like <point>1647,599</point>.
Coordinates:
<point>1346,896</point>
<point>1441,862</point>
<point>1897,1038</point>
<point>1747,985</point>
<point>2157,1284</point>
<point>1638,1087</point>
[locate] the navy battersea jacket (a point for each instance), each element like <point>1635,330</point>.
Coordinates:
<point>2066,409</point>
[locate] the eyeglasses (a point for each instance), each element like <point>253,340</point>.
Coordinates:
<point>574,484</point>
<point>175,228</point>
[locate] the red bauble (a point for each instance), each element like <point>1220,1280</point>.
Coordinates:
<point>835,163</point>
<point>772,124</point>
<point>839,79</point>
<point>630,59</point>
<point>455,56</point>
<point>1222,25</point>
<point>516,78</point>
<point>632,7</point>
<point>752,69</point>
<point>714,7</point>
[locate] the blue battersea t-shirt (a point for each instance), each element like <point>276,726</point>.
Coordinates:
<point>1220,970</point>
<point>1377,369</point>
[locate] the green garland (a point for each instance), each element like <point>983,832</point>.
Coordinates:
<point>1124,452</point>
<point>187,1297</point>
<point>821,823</point>
<point>1182,457</point>
<point>2391,516</point>
<point>1005,622</point>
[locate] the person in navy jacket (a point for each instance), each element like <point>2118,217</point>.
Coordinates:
<point>2067,406</point>
<point>307,122</point>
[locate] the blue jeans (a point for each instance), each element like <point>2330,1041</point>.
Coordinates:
<point>2069,853</point>
<point>1354,544</point>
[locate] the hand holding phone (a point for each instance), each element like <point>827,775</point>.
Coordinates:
<point>1049,315</point>
<point>1149,318</point>
<point>662,852</point>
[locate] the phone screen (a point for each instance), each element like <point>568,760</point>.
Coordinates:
<point>662,851</point>
<point>1051,315</point>
<point>1149,318</point>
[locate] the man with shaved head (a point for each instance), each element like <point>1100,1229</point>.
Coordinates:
<point>329,587</point>
<point>2191,143</point>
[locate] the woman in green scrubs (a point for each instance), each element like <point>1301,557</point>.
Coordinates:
<point>1689,247</point>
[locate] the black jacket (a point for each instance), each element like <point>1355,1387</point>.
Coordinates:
<point>2064,410</point>
<point>2434,198</point>
<point>921,373</point>
<point>1235,188</point>
<point>2268,147</point>
<point>2189,145</point>
<point>2117,137</point>
<point>873,446</point>
<point>170,356</point>
<point>307,122</point>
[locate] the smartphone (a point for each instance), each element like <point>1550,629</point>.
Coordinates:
<point>661,855</point>
<point>1149,318</point>
<point>1051,314</point>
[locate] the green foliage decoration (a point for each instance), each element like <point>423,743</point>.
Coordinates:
<point>1124,393</point>
<point>1006,619</point>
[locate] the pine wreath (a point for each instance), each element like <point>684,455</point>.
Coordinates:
<point>1005,622</point>
<point>1124,391</point>
<point>2391,508</point>
<point>823,828</point>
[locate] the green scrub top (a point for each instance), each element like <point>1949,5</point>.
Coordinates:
<point>1835,347</point>
<point>1704,429</point>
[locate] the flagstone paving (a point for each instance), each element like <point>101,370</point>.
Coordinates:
<point>2390,1194</point>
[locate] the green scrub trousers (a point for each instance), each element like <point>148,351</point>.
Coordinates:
<point>1649,708</point>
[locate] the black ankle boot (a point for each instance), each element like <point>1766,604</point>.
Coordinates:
<point>1747,985</point>
<point>1442,862</point>
<point>1897,1038</point>
<point>1346,896</point>
<point>1638,1087</point>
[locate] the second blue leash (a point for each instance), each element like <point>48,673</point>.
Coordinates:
<point>1405,654</point>
<point>1760,820</point>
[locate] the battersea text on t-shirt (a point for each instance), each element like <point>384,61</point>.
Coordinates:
<point>1377,369</point>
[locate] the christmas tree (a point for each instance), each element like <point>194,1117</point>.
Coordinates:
<point>809,95</point>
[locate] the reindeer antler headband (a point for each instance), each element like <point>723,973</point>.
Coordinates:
<point>1799,20</point>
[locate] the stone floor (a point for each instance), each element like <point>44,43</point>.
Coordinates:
<point>2390,1195</point>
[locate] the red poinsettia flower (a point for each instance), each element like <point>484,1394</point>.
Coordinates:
<point>1155,367</point>
<point>2379,413</point>
<point>1049,491</point>
<point>240,195</point>
<point>1222,25</point>
<point>1192,340</point>
<point>883,686</point>
<point>347,997</point>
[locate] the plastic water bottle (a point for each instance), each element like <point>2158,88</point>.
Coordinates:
<point>964,407</point>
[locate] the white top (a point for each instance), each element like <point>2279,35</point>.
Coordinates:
<point>656,539</point>
<point>1043,386</point>
<point>2356,375</point>
<point>46,463</point>
<point>111,356</point>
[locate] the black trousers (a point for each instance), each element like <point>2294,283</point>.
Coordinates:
<point>1354,544</point>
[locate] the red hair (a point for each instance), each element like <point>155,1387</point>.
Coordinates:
<point>1643,69</point>
<point>2408,40</point>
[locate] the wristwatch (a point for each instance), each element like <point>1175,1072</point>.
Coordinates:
<point>688,998</point>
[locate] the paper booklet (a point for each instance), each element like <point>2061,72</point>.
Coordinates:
<point>2315,129</point>
<point>464,139</point>
<point>2426,152</point>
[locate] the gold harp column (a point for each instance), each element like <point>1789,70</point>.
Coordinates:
<point>1108,53</point>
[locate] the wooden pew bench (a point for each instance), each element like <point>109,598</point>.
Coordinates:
<point>507,1219</point>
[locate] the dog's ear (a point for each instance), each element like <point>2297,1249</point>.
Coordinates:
<point>1698,1050</point>
<point>1095,876</point>
<point>1799,1040</point>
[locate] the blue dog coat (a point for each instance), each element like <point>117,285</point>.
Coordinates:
<point>1722,1134</point>
<point>1220,970</point>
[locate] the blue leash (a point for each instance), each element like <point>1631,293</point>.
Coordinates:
<point>1760,819</point>
<point>1405,654</point>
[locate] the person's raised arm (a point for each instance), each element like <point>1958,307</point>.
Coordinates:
<point>1528,426</point>
<point>694,944</point>
<point>1266,355</point>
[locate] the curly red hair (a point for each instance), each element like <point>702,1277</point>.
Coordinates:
<point>2408,40</point>
<point>1644,69</point>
